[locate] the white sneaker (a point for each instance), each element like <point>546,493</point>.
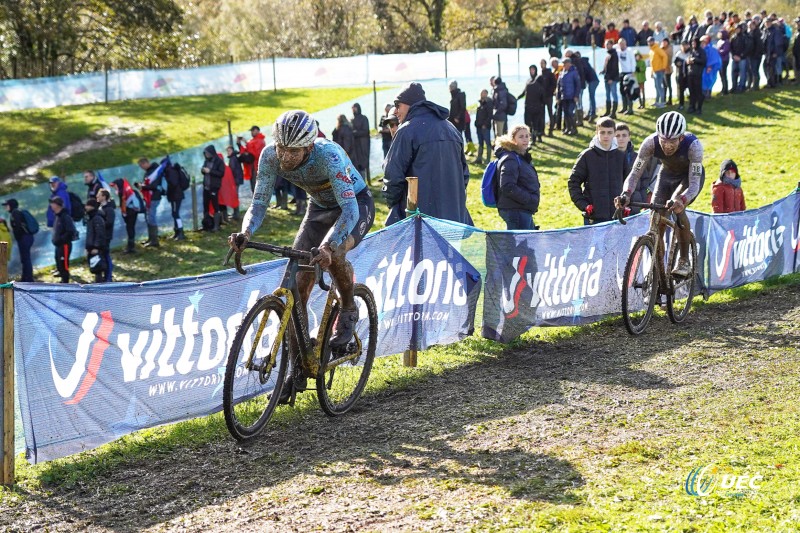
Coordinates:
<point>683,269</point>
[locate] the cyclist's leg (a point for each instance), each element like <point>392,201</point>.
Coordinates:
<point>342,271</point>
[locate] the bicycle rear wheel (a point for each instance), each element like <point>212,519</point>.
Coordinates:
<point>681,290</point>
<point>343,373</point>
<point>639,286</point>
<point>250,393</point>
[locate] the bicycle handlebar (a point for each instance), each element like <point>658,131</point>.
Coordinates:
<point>620,215</point>
<point>283,251</point>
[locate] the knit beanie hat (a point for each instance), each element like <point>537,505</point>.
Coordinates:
<point>411,94</point>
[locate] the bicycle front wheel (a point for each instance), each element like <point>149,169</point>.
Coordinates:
<point>343,373</point>
<point>639,286</point>
<point>681,289</point>
<point>253,377</point>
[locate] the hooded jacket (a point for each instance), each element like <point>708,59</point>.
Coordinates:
<point>360,153</point>
<point>431,148</point>
<point>212,181</point>
<point>726,194</point>
<point>96,231</point>
<point>596,178</point>
<point>724,47</point>
<point>518,181</point>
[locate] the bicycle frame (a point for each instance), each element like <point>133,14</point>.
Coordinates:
<point>658,225</point>
<point>310,352</point>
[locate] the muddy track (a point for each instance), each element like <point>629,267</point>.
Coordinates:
<point>470,439</point>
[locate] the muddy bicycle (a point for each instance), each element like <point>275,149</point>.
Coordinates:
<point>647,277</point>
<point>273,328</point>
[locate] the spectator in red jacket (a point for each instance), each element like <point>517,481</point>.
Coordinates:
<point>249,154</point>
<point>726,193</point>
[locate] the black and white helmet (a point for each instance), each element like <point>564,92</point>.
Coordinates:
<point>671,125</point>
<point>295,129</point>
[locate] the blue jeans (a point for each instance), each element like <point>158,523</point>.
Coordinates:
<point>151,212</point>
<point>592,102</point>
<point>516,218</point>
<point>611,91</point>
<point>660,92</point>
<point>739,74</point>
<point>25,243</point>
<point>484,138</point>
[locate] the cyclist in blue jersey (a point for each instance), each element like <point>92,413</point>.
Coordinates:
<point>340,211</point>
<point>680,178</point>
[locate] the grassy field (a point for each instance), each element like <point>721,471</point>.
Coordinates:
<point>566,429</point>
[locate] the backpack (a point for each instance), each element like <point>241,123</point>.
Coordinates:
<point>77,210</point>
<point>489,183</point>
<point>511,104</point>
<point>31,226</point>
<point>183,177</point>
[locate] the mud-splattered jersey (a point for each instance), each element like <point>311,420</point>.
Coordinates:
<point>328,176</point>
<point>687,161</point>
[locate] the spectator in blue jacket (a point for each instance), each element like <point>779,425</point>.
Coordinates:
<point>58,188</point>
<point>592,81</point>
<point>429,147</point>
<point>569,87</point>
<point>627,33</point>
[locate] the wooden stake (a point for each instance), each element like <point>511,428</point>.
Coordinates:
<point>7,374</point>
<point>410,356</point>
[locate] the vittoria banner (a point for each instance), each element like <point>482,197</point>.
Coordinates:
<point>555,278</point>
<point>751,246</point>
<point>97,362</point>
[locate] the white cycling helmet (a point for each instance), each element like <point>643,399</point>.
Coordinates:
<point>671,125</point>
<point>295,129</point>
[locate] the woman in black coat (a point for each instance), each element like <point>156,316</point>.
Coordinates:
<point>517,180</point>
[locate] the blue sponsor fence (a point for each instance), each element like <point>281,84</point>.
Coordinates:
<point>96,362</point>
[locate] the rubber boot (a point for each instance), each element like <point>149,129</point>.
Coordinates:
<point>278,199</point>
<point>579,118</point>
<point>284,202</point>
<point>174,233</point>
<point>608,109</point>
<point>300,208</point>
<point>131,249</point>
<point>224,213</point>
<point>179,235</point>
<point>217,221</point>
<point>152,232</point>
<point>614,110</point>
<point>235,215</point>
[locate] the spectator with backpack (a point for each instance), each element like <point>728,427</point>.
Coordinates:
<point>177,178</point>
<point>213,170</point>
<point>500,102</point>
<point>569,87</point>
<point>516,180</point>
<point>153,188</point>
<point>535,98</point>
<point>131,204</point>
<point>108,209</point>
<point>58,188</point>
<point>23,231</point>
<point>64,232</point>
<point>96,242</point>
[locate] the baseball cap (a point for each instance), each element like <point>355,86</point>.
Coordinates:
<point>57,200</point>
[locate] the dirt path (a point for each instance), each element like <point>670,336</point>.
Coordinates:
<point>473,440</point>
<point>103,138</point>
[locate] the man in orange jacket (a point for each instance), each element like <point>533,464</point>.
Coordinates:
<point>250,153</point>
